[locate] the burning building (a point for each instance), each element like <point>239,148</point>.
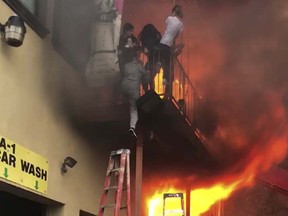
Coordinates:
<point>235,56</point>
<point>219,148</point>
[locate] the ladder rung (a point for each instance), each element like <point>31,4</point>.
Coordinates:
<point>113,188</point>
<point>174,211</point>
<point>110,188</point>
<point>120,151</point>
<point>108,206</point>
<point>112,206</point>
<point>167,195</point>
<point>114,170</point>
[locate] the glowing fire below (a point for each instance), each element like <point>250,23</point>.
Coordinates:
<point>201,199</point>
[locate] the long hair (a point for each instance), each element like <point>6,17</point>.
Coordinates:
<point>149,37</point>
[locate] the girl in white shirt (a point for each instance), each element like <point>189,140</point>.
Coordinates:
<point>174,27</point>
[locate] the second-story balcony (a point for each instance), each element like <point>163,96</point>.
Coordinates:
<point>173,126</point>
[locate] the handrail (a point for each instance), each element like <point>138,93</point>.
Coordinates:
<point>183,93</point>
<point>184,73</point>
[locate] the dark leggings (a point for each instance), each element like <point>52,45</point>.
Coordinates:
<point>165,59</point>
<point>153,59</point>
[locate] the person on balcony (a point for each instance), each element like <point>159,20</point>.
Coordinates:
<point>174,27</point>
<point>149,39</point>
<point>134,74</point>
<point>126,40</point>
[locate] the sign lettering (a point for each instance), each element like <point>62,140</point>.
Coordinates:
<point>22,166</point>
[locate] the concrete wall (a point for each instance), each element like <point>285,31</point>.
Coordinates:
<point>34,79</point>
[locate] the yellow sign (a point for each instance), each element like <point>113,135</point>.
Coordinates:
<point>21,166</point>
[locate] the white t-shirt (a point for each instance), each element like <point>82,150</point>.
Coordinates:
<point>173,28</point>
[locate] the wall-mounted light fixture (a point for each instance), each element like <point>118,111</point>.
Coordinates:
<point>68,161</point>
<point>13,31</point>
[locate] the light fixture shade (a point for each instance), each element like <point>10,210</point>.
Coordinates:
<point>70,162</point>
<point>15,31</point>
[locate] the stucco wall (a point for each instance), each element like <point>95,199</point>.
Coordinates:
<point>33,78</point>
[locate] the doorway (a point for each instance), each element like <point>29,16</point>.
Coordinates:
<point>12,205</point>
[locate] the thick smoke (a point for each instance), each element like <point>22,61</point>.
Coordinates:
<point>235,54</point>
<point>244,79</point>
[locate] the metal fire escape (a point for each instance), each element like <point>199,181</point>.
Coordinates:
<point>175,144</point>
<point>174,127</point>
<point>176,124</point>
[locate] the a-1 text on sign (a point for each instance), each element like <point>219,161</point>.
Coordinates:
<point>22,166</point>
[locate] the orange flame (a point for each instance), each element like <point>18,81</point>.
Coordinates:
<point>261,140</point>
<point>201,199</point>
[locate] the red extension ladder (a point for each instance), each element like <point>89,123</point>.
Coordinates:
<point>118,169</point>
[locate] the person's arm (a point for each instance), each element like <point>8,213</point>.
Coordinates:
<point>177,49</point>
<point>122,43</point>
<point>180,30</point>
<point>135,41</point>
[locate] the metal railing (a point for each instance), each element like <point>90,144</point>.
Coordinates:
<point>182,92</point>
